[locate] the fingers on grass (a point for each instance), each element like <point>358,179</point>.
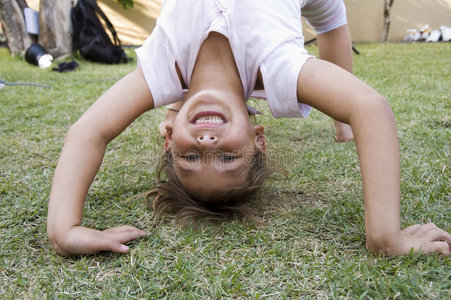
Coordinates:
<point>431,230</point>
<point>435,240</point>
<point>433,233</point>
<point>439,235</point>
<point>112,245</point>
<point>124,234</point>
<point>120,248</point>
<point>426,228</point>
<point>105,242</point>
<point>441,247</point>
<point>412,229</point>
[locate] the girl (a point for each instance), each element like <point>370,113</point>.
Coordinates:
<point>223,51</point>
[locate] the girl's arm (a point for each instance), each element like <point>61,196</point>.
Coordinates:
<point>342,96</point>
<point>81,157</point>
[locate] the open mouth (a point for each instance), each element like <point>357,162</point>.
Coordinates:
<point>209,118</point>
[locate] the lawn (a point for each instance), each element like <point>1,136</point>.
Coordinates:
<point>313,245</point>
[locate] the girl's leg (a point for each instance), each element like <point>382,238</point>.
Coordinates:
<point>335,46</point>
<point>343,132</point>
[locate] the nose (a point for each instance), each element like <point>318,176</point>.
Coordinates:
<point>207,140</point>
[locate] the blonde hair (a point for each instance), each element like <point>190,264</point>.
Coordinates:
<point>169,195</point>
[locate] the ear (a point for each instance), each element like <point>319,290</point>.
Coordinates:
<point>260,140</point>
<point>168,138</point>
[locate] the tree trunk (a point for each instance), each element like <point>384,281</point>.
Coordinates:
<point>55,27</point>
<point>22,4</point>
<point>387,7</point>
<point>13,22</point>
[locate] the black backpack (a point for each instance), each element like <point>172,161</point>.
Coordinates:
<point>91,39</point>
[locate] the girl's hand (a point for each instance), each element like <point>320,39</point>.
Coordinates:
<point>426,238</point>
<point>83,240</point>
<point>422,239</point>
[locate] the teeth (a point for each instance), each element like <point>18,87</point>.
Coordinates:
<point>209,120</point>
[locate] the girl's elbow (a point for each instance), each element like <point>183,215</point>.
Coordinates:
<point>83,132</point>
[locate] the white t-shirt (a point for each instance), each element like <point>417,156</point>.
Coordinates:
<point>263,34</point>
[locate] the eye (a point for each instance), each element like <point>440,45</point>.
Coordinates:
<point>191,157</point>
<point>227,158</point>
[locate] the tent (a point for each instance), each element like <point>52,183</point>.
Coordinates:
<point>366,18</point>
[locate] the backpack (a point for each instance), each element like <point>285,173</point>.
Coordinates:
<point>90,37</point>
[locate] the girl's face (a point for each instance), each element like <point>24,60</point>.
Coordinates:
<point>212,143</point>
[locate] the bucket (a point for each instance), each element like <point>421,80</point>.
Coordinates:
<point>37,55</point>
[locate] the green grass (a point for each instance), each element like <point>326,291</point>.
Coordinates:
<point>313,245</point>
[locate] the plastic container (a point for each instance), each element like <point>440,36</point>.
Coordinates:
<point>37,55</point>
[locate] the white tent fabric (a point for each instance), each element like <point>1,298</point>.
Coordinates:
<point>365,18</point>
